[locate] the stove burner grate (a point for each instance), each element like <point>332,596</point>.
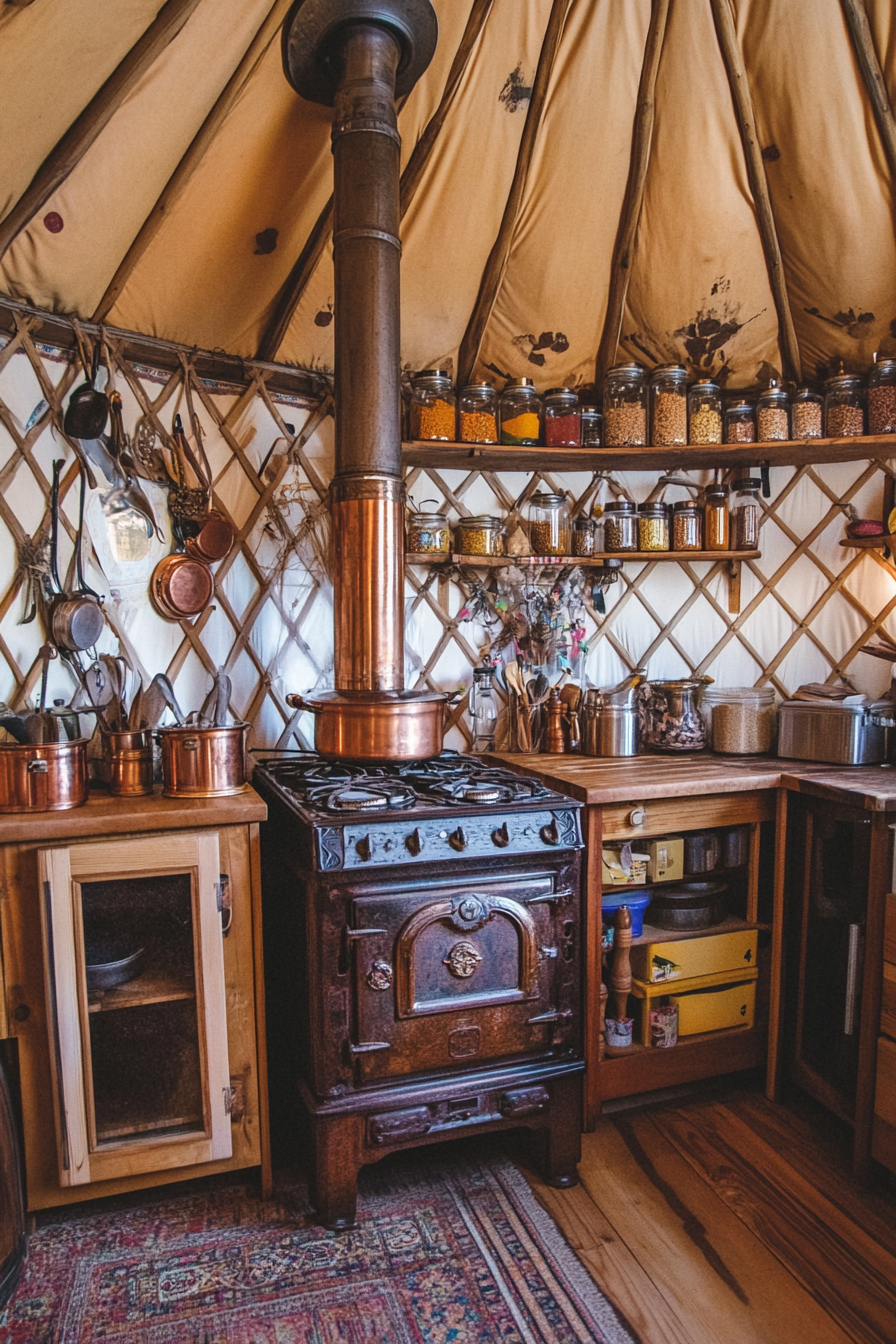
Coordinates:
<point>364,793</point>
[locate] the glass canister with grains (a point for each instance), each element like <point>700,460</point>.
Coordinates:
<point>550,532</point>
<point>705,412</point>
<point>882,397</point>
<point>562,418</point>
<point>844,406</point>
<point>433,406</point>
<point>669,405</point>
<point>478,414</point>
<point>625,407</point>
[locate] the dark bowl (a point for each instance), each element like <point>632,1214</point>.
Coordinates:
<point>688,905</point>
<point>108,974</point>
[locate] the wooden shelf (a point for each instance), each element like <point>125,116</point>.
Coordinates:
<point>692,457</point>
<point>151,987</point>
<point>591,561</point>
<point>885,539</point>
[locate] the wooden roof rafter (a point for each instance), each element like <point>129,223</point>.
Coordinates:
<point>872,75</point>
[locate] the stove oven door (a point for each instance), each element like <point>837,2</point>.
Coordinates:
<point>463,972</point>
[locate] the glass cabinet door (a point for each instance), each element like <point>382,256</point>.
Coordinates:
<point>134,970</point>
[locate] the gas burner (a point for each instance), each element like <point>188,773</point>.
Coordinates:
<point>365,793</point>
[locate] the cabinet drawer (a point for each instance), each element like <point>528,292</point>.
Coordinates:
<point>888,1000</point>
<point>885,1090</point>
<point>715,1009</point>
<point>671,816</point>
<point>685,958</point>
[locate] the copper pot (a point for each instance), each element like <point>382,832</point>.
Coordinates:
<point>214,540</point>
<point>129,763</point>
<point>181,586</point>
<point>43,778</point>
<point>203,762</point>
<point>388,726</point>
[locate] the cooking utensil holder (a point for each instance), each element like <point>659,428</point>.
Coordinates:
<point>203,762</point>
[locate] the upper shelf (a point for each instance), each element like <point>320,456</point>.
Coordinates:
<point>489,457</point>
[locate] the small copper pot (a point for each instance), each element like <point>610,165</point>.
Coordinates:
<point>214,540</point>
<point>203,762</point>
<point>43,778</point>
<point>181,586</point>
<point>129,763</point>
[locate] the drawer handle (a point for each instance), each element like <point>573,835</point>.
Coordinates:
<point>852,978</point>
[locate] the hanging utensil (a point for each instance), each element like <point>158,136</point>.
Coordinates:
<point>170,698</point>
<point>87,410</point>
<point>222,701</point>
<point>76,620</point>
<point>181,586</point>
<point>131,494</point>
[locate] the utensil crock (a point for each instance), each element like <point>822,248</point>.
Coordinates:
<point>46,777</point>
<point>203,762</point>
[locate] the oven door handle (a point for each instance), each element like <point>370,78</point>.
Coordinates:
<point>557,1016</point>
<point>559,895</point>
<point>362,933</point>
<point>367,1047</point>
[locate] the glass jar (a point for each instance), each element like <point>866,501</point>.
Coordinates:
<point>773,414</point>
<point>844,411</point>
<point>653,527</point>
<point>428,533</point>
<point>562,418</point>
<point>668,405</point>
<point>480,535</point>
<point>592,425</point>
<point>520,410</point>
<point>478,414</point>
<point>550,532</point>
<point>620,527</point>
<point>584,534</point>
<point>705,412</point>
<point>882,397</point>
<point>687,526</point>
<point>483,708</point>
<point>740,422</point>
<point>716,519</point>
<point>625,407</point>
<point>746,514</point>
<point>743,719</point>
<point>806,415</point>
<point>433,406</point>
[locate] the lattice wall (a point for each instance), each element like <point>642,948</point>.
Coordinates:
<point>808,605</point>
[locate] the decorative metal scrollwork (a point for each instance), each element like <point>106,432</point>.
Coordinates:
<point>469,913</point>
<point>463,960</point>
<point>380,975</point>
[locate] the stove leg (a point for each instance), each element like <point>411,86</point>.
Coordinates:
<point>560,1143</point>
<point>333,1188</point>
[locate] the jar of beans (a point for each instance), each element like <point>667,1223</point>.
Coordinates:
<point>740,422</point>
<point>882,397</point>
<point>584,531</point>
<point>746,513</point>
<point>550,532</point>
<point>433,406</point>
<point>773,413</point>
<point>687,526</point>
<point>478,414</point>
<point>668,405</point>
<point>806,414</point>
<point>592,425</point>
<point>705,412</point>
<point>520,410</point>
<point>653,527</point>
<point>844,410</point>
<point>428,533</point>
<point>562,418</point>
<point>716,520</point>
<point>620,527</point>
<point>480,535</point>
<point>625,407</point>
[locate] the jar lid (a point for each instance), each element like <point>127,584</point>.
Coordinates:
<point>584,524</point>
<point>626,368</point>
<point>433,373</point>
<point>479,387</point>
<point>546,498</point>
<point>716,491</point>
<point>480,520</point>
<point>621,506</point>
<point>844,380</point>
<point>739,693</point>
<point>419,516</point>
<point>681,505</point>
<point>519,382</point>
<point>706,383</point>
<point>560,392</point>
<point>884,364</point>
<point>589,408</point>
<point>806,393</point>
<point>773,393</point>
<point>739,406</point>
<point>653,506</point>
<point>669,368</point>
<point>747,483</point>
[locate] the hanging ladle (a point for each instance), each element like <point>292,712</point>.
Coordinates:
<point>131,494</point>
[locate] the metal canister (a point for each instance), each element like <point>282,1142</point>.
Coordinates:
<point>129,757</point>
<point>203,762</point>
<point>609,729</point>
<point>43,778</point>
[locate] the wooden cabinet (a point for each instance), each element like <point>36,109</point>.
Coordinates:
<point>160,1076</point>
<point>883,1132</point>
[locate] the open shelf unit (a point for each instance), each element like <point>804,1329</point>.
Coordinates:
<point>600,558</point>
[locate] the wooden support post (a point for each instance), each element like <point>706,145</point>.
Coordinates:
<point>776,972</point>
<point>872,75</point>
<point>734,586</point>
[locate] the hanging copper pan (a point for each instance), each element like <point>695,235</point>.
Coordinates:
<point>214,540</point>
<point>181,586</point>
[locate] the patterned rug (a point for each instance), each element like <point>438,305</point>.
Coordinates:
<point>448,1250</point>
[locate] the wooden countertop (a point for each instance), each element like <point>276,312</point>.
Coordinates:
<point>104,815</point>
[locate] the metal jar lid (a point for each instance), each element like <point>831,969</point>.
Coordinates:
<point>621,506</point>
<point>545,499</point>
<point>669,370</point>
<point>479,389</point>
<point>433,373</point>
<point>707,384</point>
<point>519,382</point>
<point>747,483</point>
<point>480,520</point>
<point>632,370</point>
<point>654,507</point>
<point>844,381</point>
<point>685,506</point>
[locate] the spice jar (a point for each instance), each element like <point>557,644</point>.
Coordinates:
<point>668,405</point>
<point>562,419</point>
<point>433,406</point>
<point>687,526</point>
<point>746,514</point>
<point>705,412</point>
<point>625,407</point>
<point>478,414</point>
<point>653,527</point>
<point>740,422</point>
<point>806,414</point>
<point>520,409</point>
<point>584,531</point>
<point>882,397</point>
<point>772,414</point>
<point>844,413</point>
<point>743,718</point>
<point>716,521</point>
<point>428,533</point>
<point>549,527</point>
<point>620,527</point>
<point>480,535</point>
<point>592,425</point>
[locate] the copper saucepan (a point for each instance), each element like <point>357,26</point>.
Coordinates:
<point>203,762</point>
<point>214,539</point>
<point>76,620</point>
<point>376,726</point>
<point>47,777</point>
<point>181,586</point>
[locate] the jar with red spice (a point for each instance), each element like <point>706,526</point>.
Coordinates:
<point>433,410</point>
<point>562,418</point>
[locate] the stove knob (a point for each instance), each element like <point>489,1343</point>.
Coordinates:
<point>550,834</point>
<point>457,839</point>
<point>501,837</point>
<point>414,842</point>
<point>364,848</point>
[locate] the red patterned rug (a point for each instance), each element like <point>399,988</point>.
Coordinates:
<point>448,1249</point>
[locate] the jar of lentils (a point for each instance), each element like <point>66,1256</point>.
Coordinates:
<point>478,414</point>
<point>592,425</point>
<point>562,418</point>
<point>740,422</point>
<point>433,408</point>
<point>653,527</point>
<point>882,397</point>
<point>549,526</point>
<point>746,514</point>
<point>806,414</point>
<point>844,411</point>
<point>668,405</point>
<point>428,533</point>
<point>480,534</point>
<point>520,411</point>
<point>716,519</point>
<point>584,532</point>
<point>687,526</point>
<point>625,407</point>
<point>705,412</point>
<point>620,527</point>
<point>773,414</point>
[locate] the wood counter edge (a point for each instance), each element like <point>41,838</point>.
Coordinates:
<point>104,815</point>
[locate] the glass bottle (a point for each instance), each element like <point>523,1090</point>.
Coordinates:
<point>592,425</point>
<point>520,410</point>
<point>773,414</point>
<point>653,527</point>
<point>717,524</point>
<point>740,422</point>
<point>806,418</point>
<point>480,535</point>
<point>549,527</point>
<point>746,514</point>
<point>584,530</point>
<point>687,526</point>
<point>483,708</point>
<point>882,397</point>
<point>620,526</point>
<point>562,418</point>
<point>844,412</point>
<point>428,533</point>
<point>625,407</point>
<point>433,406</point>
<point>668,405</point>
<point>478,416</point>
<point>705,412</point>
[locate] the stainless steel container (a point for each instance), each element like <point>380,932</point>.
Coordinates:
<point>203,762</point>
<point>839,734</point>
<point>45,778</point>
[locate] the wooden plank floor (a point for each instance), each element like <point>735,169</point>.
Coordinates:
<point>723,1218</point>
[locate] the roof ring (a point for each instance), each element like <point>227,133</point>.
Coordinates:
<point>311,24</point>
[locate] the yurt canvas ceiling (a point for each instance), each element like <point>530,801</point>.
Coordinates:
<point>705,181</point>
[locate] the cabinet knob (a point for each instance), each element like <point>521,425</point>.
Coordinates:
<point>637,816</point>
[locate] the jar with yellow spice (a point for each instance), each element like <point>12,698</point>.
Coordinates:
<point>478,416</point>
<point>480,534</point>
<point>705,412</point>
<point>520,409</point>
<point>433,409</point>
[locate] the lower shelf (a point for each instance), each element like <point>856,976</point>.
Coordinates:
<point>645,1069</point>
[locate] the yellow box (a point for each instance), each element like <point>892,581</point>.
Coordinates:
<point>665,859</point>
<point>682,958</point>
<point>614,872</point>
<point>715,1009</point>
